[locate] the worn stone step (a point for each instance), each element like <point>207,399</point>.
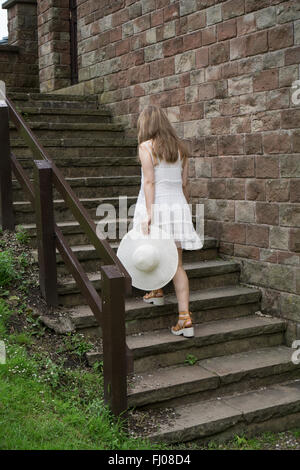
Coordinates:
<point>65,115</point>
<point>47,100</point>
<point>209,305</point>
<point>70,151</point>
<point>24,212</point>
<point>80,148</point>
<point>74,167</point>
<point>78,130</point>
<point>81,143</point>
<point>77,238</point>
<point>206,304</point>
<point>88,257</point>
<point>213,377</point>
<point>202,275</point>
<point>92,186</point>
<point>21,90</point>
<point>159,348</point>
<point>274,408</point>
<point>123,204</point>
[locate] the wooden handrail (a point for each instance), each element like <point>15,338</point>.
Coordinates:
<point>113,274</point>
<point>85,285</point>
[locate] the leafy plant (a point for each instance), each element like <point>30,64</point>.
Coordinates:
<point>241,441</point>
<point>76,344</point>
<point>8,271</point>
<point>190,359</point>
<point>22,235</point>
<point>36,328</point>
<point>98,366</point>
<point>5,314</point>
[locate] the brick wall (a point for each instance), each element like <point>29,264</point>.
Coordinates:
<point>223,70</point>
<point>9,61</point>
<point>54,44</point>
<point>18,59</point>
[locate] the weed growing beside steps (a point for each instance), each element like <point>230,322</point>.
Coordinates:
<point>287,440</point>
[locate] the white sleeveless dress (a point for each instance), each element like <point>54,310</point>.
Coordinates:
<point>171,210</point>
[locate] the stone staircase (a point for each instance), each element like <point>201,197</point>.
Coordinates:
<point>236,375</point>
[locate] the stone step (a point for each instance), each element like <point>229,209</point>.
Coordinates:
<point>210,305</point>
<point>74,167</point>
<point>25,215</point>
<point>88,257</point>
<point>213,377</point>
<point>21,90</point>
<point>92,186</point>
<point>63,115</point>
<point>76,237</point>
<point>78,130</point>
<point>202,275</point>
<point>157,349</point>
<point>107,142</point>
<point>121,205</point>
<point>274,408</point>
<point>79,148</point>
<point>206,304</point>
<point>47,100</point>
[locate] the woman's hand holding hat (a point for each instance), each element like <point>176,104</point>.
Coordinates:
<point>150,259</point>
<point>146,225</point>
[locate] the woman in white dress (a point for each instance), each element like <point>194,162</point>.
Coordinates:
<point>163,201</point>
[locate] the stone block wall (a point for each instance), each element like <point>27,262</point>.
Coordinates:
<point>223,71</point>
<point>54,44</point>
<point>9,61</point>
<point>18,59</point>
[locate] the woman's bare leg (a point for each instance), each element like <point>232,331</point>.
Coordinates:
<point>181,285</point>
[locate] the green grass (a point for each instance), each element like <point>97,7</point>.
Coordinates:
<point>8,272</point>
<point>44,405</point>
<point>12,270</point>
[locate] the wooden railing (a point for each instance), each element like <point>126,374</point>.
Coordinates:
<point>109,309</point>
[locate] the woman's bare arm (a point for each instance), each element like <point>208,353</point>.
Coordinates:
<point>149,180</point>
<point>185,179</point>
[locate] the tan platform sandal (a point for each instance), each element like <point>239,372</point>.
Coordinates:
<point>186,329</point>
<point>155,297</point>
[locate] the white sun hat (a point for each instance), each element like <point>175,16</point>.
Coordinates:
<point>150,259</point>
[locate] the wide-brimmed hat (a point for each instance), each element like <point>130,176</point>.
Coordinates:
<point>150,259</point>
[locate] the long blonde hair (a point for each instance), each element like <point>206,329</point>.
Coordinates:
<point>154,124</point>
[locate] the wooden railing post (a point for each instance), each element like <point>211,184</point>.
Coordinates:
<point>114,339</point>
<point>6,208</point>
<point>45,230</point>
